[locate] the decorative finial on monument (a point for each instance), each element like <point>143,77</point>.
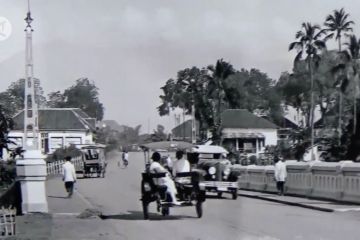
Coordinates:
<point>28,19</point>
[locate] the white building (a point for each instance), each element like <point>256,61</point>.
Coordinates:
<point>58,127</point>
<point>246,132</point>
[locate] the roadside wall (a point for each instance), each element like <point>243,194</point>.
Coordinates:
<point>54,168</point>
<point>334,181</point>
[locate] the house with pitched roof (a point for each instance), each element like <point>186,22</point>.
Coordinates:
<point>245,132</point>
<point>58,127</point>
<point>183,131</point>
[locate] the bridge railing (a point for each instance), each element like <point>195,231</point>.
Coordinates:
<point>54,168</point>
<point>334,181</point>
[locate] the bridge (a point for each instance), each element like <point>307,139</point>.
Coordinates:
<point>254,215</point>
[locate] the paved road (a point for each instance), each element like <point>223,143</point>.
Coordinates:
<point>117,196</point>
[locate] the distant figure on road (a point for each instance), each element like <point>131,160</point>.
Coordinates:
<point>69,176</point>
<point>125,158</point>
<point>280,175</point>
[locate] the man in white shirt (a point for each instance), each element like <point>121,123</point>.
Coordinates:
<point>69,175</point>
<point>155,167</point>
<point>181,165</point>
<point>169,163</point>
<point>280,175</point>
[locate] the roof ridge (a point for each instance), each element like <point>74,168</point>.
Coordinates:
<point>58,108</point>
<point>81,119</point>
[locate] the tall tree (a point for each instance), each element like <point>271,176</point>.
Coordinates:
<point>219,73</point>
<point>309,41</point>
<point>84,95</point>
<point>12,99</point>
<point>338,24</point>
<point>353,49</point>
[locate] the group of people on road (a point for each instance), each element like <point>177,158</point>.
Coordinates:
<point>171,170</point>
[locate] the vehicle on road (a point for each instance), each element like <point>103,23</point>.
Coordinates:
<point>219,177</point>
<point>190,193</point>
<point>93,159</point>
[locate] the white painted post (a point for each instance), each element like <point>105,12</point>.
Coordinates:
<point>31,172</point>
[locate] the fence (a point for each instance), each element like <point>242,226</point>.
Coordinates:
<point>54,168</point>
<point>7,222</point>
<point>335,181</point>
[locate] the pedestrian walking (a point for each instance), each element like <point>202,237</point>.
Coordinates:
<point>125,158</point>
<point>69,175</point>
<point>280,175</point>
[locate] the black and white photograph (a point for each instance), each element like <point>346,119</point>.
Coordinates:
<point>179,119</point>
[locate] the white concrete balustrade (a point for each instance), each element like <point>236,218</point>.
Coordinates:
<point>336,181</point>
<point>55,167</point>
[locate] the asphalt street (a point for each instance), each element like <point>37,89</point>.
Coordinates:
<point>117,196</point>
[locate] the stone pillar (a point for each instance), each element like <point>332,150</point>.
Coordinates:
<point>31,173</point>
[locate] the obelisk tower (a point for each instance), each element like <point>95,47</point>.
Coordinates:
<point>31,171</point>
<point>31,127</point>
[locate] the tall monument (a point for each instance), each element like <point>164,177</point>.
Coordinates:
<point>30,105</point>
<point>31,171</point>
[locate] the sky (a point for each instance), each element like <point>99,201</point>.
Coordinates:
<point>130,48</point>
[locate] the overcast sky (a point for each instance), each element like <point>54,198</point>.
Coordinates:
<point>130,48</point>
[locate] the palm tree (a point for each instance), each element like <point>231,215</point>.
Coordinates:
<point>309,42</point>
<point>338,24</point>
<point>219,74</point>
<point>353,47</point>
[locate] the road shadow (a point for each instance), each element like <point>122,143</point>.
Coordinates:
<point>137,215</point>
<point>217,197</point>
<point>62,197</point>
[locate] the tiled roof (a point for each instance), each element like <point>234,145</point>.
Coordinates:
<point>57,119</point>
<point>242,118</point>
<point>184,128</point>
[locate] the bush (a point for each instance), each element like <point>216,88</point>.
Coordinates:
<point>7,173</point>
<point>61,153</point>
<point>253,159</point>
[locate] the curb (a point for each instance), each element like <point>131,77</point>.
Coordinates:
<point>288,203</point>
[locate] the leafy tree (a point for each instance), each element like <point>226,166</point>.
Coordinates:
<point>56,100</point>
<point>189,87</point>
<point>159,134</point>
<point>12,99</point>
<point>129,135</point>
<point>6,124</point>
<point>214,89</point>
<point>353,51</point>
<point>84,95</point>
